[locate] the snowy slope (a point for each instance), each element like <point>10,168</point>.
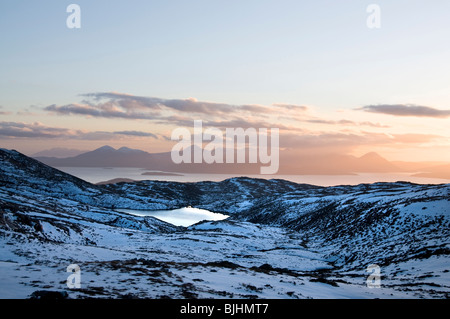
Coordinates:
<point>379,223</point>
<point>283,240</point>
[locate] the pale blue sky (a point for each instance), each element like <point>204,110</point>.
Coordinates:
<point>306,52</point>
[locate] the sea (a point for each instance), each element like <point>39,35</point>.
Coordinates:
<point>96,175</point>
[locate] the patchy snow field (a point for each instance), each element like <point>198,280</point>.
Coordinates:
<point>210,260</point>
<point>283,240</point>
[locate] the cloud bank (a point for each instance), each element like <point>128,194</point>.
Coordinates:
<point>181,112</point>
<point>302,129</point>
<point>38,130</point>
<point>407,110</point>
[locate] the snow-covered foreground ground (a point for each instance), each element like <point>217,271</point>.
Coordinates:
<point>283,240</point>
<point>209,260</point>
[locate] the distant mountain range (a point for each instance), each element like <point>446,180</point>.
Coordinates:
<point>332,164</point>
<point>59,152</point>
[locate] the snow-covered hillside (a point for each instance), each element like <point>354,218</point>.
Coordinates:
<point>283,240</point>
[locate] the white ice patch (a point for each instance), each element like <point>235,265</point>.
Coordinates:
<point>186,216</point>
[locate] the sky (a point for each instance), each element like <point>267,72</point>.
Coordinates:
<point>136,70</point>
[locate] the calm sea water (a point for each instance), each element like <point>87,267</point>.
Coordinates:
<point>96,175</point>
<point>186,216</point>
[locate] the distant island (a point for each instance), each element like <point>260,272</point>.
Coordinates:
<point>128,180</point>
